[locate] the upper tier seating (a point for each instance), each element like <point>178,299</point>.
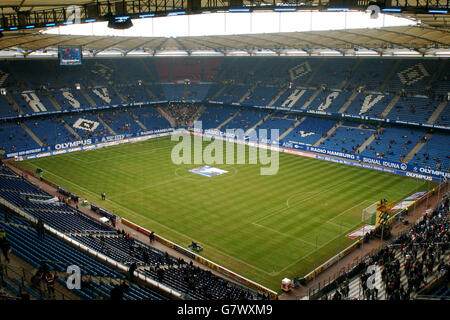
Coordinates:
<point>309,131</point>
<point>346,139</point>
<point>393,143</point>
<point>212,117</point>
<point>233,93</point>
<point>245,119</point>
<point>56,254</point>
<point>14,138</point>
<point>294,98</point>
<point>435,153</point>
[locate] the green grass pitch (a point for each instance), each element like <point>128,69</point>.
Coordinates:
<point>262,227</point>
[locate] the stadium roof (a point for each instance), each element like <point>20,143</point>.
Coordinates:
<point>430,37</point>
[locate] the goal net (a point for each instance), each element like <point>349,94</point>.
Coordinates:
<point>369,214</point>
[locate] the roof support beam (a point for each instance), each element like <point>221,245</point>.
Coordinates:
<point>141,45</point>
<point>315,45</point>
<point>29,41</point>
<point>57,43</point>
<point>379,39</point>
<point>198,42</point>
<point>111,45</point>
<point>414,36</point>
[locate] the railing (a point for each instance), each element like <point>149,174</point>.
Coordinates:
<point>24,279</point>
<point>336,279</point>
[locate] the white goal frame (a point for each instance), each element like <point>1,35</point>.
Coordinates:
<point>368,212</point>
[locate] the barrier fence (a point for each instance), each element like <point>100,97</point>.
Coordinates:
<point>313,292</point>
<point>248,283</point>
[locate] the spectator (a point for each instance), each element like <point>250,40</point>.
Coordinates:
<point>5,246</point>
<point>50,279</point>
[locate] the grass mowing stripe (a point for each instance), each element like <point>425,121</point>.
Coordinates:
<point>307,197</point>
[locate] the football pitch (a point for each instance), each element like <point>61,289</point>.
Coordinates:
<point>264,227</point>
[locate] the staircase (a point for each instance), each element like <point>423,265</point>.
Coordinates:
<point>390,106</point>
<point>186,91</point>
<point>437,112</point>
<point>228,120</point>
<point>307,103</point>
<point>135,118</point>
<point>328,133</point>
<point>88,98</point>
<point>119,94</point>
<point>348,102</point>
<point>151,74</point>
<point>247,94</point>
<point>105,125</point>
<point>366,143</point>
<point>293,98</point>
<point>70,129</point>
<point>282,91</point>
<point>16,76</point>
<point>54,102</point>
<point>389,76</point>
<point>150,93</point>
<point>218,93</point>
<point>197,115</point>
<point>345,81</point>
<point>292,127</point>
<point>13,103</point>
<point>31,133</point>
<point>168,117</point>
<point>316,70</point>
<point>257,124</point>
<point>416,148</point>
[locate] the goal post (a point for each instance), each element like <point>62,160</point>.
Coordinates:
<point>369,214</point>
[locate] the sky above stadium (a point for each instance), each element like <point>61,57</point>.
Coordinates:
<point>235,23</point>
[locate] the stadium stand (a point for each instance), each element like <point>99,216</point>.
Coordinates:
<point>403,269</point>
<point>35,247</point>
<point>411,90</point>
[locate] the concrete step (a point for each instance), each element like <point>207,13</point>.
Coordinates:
<point>32,135</point>
<point>70,129</point>
<point>389,76</point>
<point>295,125</point>
<point>316,71</point>
<point>186,91</point>
<point>106,125</point>
<point>293,98</point>
<point>228,120</point>
<point>307,103</point>
<point>366,143</point>
<point>328,133</point>
<point>13,103</point>
<point>147,89</point>
<point>247,94</point>
<point>88,97</point>
<point>390,106</point>
<point>437,112</point>
<point>416,148</point>
<point>218,93</point>
<point>54,102</point>
<point>355,66</point>
<point>282,91</point>
<point>167,116</point>
<point>258,123</point>
<point>120,95</point>
<point>348,102</point>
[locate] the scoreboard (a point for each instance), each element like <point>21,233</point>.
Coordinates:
<point>69,55</point>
